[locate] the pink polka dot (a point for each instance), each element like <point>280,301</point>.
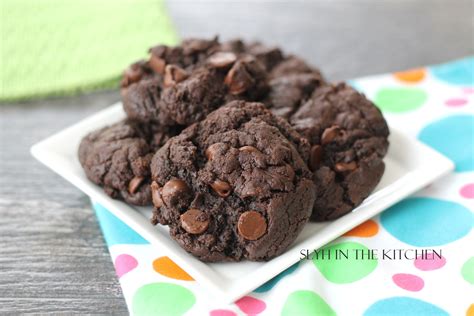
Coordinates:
<point>468,90</point>
<point>408,282</point>
<point>430,262</point>
<point>222,312</point>
<point>124,264</point>
<point>455,102</point>
<point>467,191</point>
<point>251,305</point>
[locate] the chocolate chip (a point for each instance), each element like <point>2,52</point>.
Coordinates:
<point>211,151</point>
<point>174,190</point>
<point>234,45</point>
<point>174,75</point>
<point>269,56</point>
<point>134,184</point>
<point>250,153</point>
<point>238,79</point>
<point>222,188</point>
<point>249,149</point>
<point>251,225</point>
<point>157,64</point>
<point>156,195</point>
<point>315,157</point>
<point>131,75</point>
<point>222,59</point>
<point>330,134</point>
<point>193,45</point>
<point>343,167</point>
<point>194,221</point>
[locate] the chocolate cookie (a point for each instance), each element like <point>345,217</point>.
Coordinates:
<point>185,92</point>
<point>118,157</point>
<point>348,135</point>
<point>234,186</point>
<point>180,85</point>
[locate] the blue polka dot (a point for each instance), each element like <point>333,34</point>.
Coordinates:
<point>453,137</point>
<point>460,72</point>
<point>115,231</point>
<point>354,84</point>
<point>426,222</point>
<point>270,284</point>
<point>403,306</point>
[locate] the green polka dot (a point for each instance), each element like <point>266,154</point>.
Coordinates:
<point>399,100</point>
<point>339,269</point>
<point>162,299</point>
<point>305,303</point>
<point>467,270</point>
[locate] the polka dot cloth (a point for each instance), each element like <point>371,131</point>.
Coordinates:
<point>434,104</point>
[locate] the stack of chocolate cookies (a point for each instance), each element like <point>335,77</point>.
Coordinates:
<point>237,146</point>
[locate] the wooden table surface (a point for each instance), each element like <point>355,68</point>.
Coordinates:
<point>53,258</point>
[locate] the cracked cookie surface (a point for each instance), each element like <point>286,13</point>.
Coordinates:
<point>234,186</point>
<point>180,85</point>
<point>117,157</point>
<point>348,135</point>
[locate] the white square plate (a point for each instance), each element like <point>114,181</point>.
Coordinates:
<point>410,165</point>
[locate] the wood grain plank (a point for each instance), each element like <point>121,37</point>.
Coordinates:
<point>53,257</point>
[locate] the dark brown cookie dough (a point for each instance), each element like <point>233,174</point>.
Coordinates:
<point>118,157</point>
<point>192,99</point>
<point>289,92</point>
<point>348,135</point>
<point>142,102</point>
<point>180,85</point>
<point>234,186</point>
<point>292,65</point>
<point>291,83</point>
<point>190,81</point>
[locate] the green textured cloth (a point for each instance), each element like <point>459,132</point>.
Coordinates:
<point>63,47</point>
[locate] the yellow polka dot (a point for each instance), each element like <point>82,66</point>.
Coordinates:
<point>470,310</point>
